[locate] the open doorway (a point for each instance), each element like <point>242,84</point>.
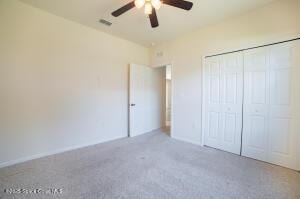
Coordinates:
<point>168,97</point>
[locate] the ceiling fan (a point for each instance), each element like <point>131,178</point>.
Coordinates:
<point>151,6</point>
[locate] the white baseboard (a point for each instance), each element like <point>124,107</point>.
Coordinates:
<point>188,141</point>
<point>36,156</point>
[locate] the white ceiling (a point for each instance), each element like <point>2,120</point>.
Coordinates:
<point>135,26</point>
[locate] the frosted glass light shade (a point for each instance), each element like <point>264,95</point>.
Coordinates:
<point>148,8</point>
<point>139,3</point>
<point>156,4</point>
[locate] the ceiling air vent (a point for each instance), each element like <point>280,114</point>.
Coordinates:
<point>107,23</point>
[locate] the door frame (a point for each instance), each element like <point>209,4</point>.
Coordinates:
<point>172,96</point>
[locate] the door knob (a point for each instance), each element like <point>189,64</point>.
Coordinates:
<point>132,104</point>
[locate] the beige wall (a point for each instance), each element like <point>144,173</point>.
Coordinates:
<point>274,22</point>
<point>62,85</point>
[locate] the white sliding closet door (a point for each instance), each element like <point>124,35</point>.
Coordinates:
<point>256,103</point>
<point>271,104</point>
<point>223,102</point>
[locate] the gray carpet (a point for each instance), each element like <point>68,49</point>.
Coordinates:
<point>150,166</point>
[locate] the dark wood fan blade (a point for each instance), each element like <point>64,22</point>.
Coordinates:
<point>153,19</point>
<point>123,9</point>
<point>186,5</point>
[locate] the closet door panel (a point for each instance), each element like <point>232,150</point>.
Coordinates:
<point>212,102</point>
<point>223,102</point>
<point>282,136</point>
<point>270,131</point>
<point>232,81</point>
<point>256,108</point>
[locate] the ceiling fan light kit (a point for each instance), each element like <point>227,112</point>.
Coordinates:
<point>150,7</point>
<point>153,3</point>
<point>156,4</point>
<point>139,3</point>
